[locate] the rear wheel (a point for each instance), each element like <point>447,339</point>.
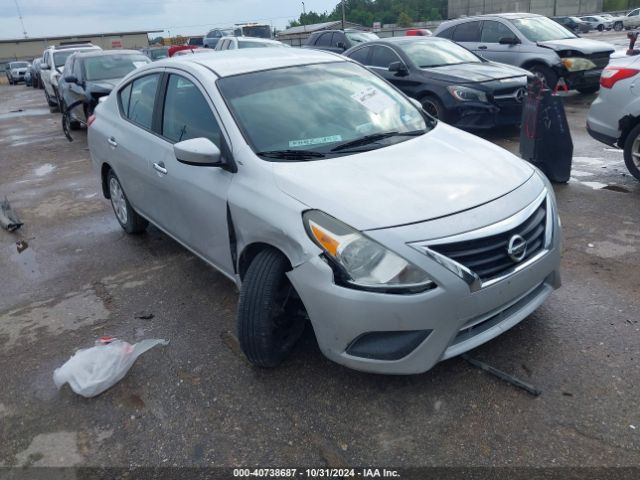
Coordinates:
<point>128,219</point>
<point>433,107</point>
<point>632,152</point>
<point>618,26</point>
<point>546,74</point>
<point>270,313</point>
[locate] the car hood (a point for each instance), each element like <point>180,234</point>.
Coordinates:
<point>583,45</point>
<point>478,72</point>
<point>437,174</point>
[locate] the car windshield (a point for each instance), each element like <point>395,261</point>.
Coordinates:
<point>361,37</point>
<point>576,19</point>
<point>317,107</point>
<point>437,53</point>
<point>541,29</point>
<point>59,58</point>
<point>19,64</point>
<point>259,31</point>
<point>112,66</point>
<point>158,54</point>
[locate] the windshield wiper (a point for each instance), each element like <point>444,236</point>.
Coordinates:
<point>291,154</point>
<point>368,139</point>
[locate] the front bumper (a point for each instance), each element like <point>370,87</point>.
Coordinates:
<point>485,116</point>
<point>451,318</point>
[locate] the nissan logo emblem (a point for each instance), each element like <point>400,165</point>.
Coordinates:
<point>520,95</point>
<point>517,248</point>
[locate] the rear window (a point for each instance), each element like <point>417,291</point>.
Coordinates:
<point>137,99</point>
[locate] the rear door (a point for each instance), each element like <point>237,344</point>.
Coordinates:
<point>133,142</point>
<point>467,34</point>
<point>490,47</point>
<point>190,202</point>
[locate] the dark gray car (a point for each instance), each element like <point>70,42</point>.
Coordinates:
<point>338,41</point>
<point>535,43</point>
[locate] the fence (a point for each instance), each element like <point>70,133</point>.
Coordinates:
<point>550,8</point>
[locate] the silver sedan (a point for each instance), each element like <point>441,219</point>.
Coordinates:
<point>328,196</point>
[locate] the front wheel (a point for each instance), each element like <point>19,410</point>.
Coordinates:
<point>632,152</point>
<point>546,74</point>
<point>433,107</point>
<point>128,219</point>
<point>600,28</point>
<point>270,314</point>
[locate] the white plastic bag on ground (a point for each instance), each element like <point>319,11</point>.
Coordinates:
<point>93,370</point>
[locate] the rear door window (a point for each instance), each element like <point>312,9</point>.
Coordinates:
<point>325,40</point>
<point>137,100</point>
<point>361,55</point>
<point>467,32</point>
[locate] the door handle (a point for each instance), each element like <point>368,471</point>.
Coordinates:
<point>482,47</point>
<point>112,141</point>
<point>159,167</point>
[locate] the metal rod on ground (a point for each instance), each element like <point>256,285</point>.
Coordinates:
<point>516,382</point>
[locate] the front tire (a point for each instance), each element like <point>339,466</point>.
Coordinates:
<point>129,220</point>
<point>546,74</point>
<point>632,152</point>
<point>433,106</point>
<point>51,103</point>
<point>600,28</point>
<point>269,312</point>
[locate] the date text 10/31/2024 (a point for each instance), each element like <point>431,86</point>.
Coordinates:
<point>315,473</point>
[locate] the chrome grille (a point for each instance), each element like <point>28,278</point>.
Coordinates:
<point>488,257</point>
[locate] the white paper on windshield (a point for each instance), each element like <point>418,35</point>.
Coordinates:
<point>373,99</point>
<point>314,141</point>
<point>139,64</point>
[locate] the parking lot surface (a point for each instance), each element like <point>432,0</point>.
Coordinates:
<point>198,402</point>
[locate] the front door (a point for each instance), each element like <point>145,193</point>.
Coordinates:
<point>490,46</point>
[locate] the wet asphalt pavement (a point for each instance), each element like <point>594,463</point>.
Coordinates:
<point>197,401</point>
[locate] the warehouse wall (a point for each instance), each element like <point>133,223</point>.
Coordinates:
<point>28,49</point>
<point>458,8</point>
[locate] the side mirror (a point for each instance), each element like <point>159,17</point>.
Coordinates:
<point>71,79</point>
<point>399,68</point>
<point>508,41</point>
<point>199,152</point>
<point>341,45</point>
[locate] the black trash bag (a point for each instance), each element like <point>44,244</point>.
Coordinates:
<point>545,138</point>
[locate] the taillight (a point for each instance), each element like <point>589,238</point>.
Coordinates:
<point>611,75</point>
<point>90,120</point>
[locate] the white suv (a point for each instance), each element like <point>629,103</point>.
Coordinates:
<point>52,65</point>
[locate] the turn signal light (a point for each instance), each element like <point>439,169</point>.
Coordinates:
<point>611,75</point>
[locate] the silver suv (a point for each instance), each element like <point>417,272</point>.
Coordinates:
<point>614,117</point>
<point>535,43</point>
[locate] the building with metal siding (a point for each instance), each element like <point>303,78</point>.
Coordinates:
<point>29,48</point>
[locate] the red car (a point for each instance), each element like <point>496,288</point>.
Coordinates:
<point>418,32</point>
<point>176,48</point>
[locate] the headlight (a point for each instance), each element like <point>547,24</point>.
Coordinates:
<point>466,94</point>
<point>577,64</point>
<point>362,262</point>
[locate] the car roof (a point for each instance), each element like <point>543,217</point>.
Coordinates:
<point>507,16</point>
<point>401,40</point>
<point>227,63</point>
<point>104,53</point>
<point>251,39</point>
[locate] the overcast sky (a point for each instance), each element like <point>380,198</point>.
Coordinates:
<point>189,17</point>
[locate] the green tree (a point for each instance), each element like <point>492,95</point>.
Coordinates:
<point>404,20</point>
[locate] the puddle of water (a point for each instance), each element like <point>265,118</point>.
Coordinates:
<point>45,169</point>
<point>30,112</point>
